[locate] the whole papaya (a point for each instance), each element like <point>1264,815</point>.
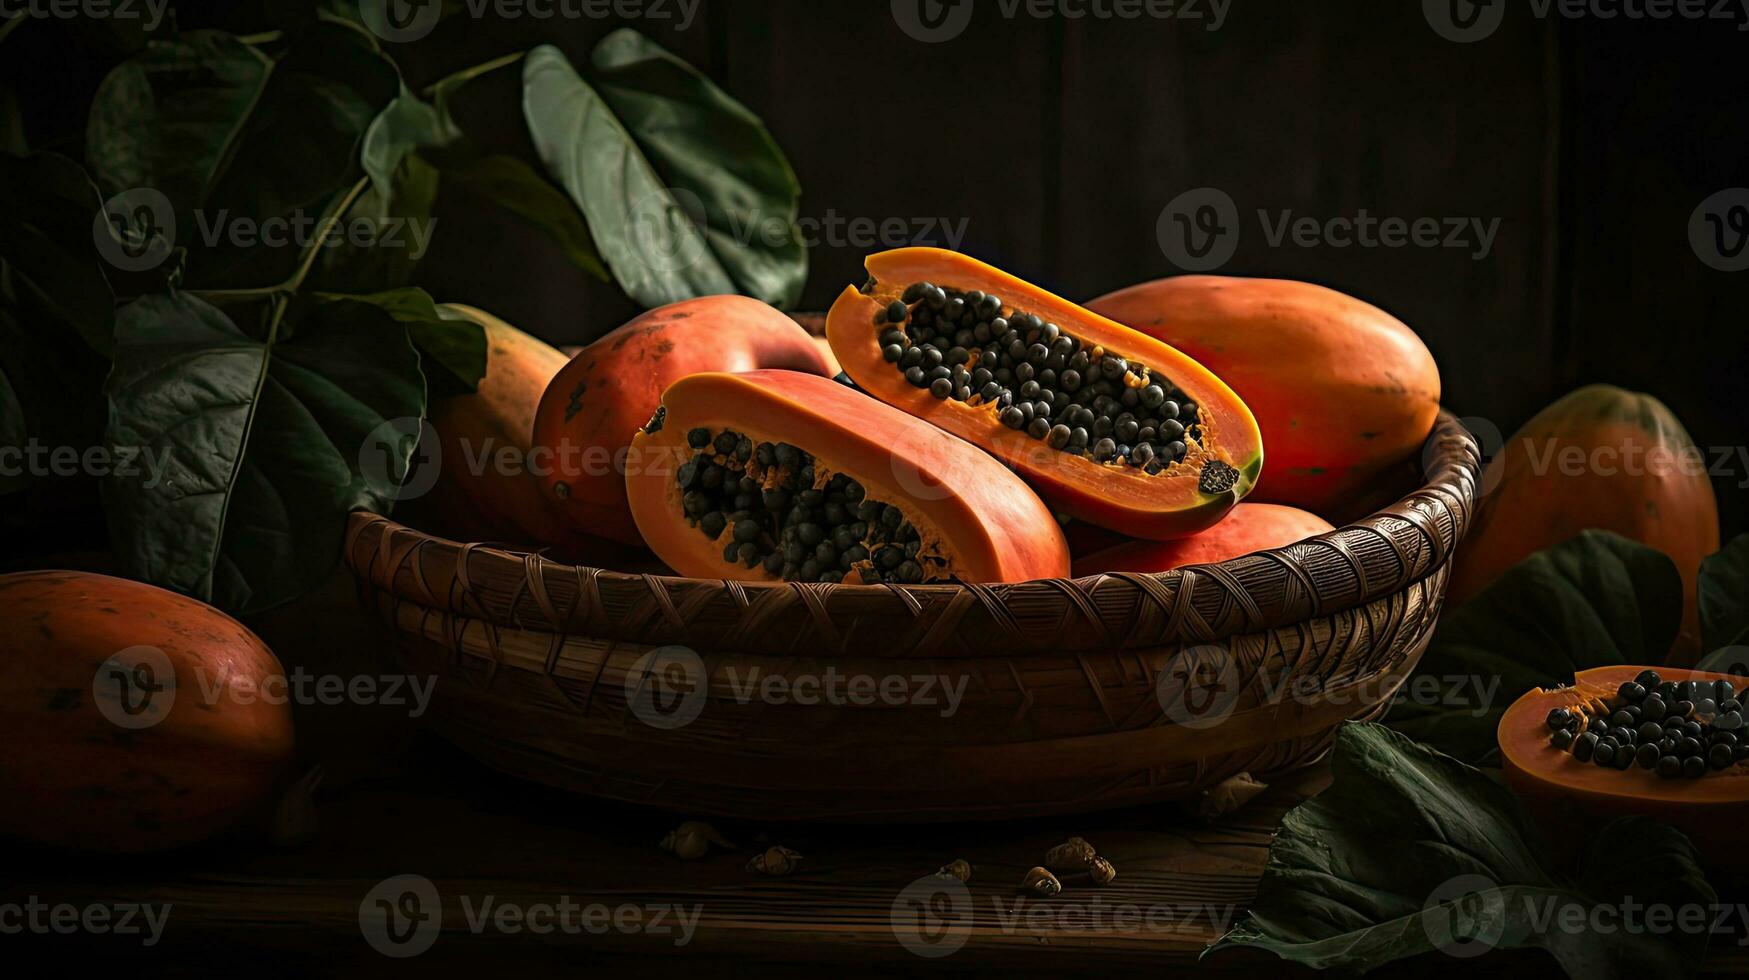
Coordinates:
<point>134,719</point>
<point>1603,458</point>
<point>583,429</point>
<point>1246,529</point>
<point>484,490</point>
<point>1341,389</point>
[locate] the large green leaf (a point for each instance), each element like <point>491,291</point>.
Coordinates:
<point>680,183</point>
<point>48,210</point>
<point>453,349</point>
<point>396,208</point>
<point>251,153</point>
<point>412,131</point>
<point>1724,596</point>
<point>1595,600</point>
<point>1411,852</point>
<point>265,445</point>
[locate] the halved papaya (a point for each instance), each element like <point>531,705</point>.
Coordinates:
<point>1111,426</point>
<point>785,476</point>
<point>1555,784</point>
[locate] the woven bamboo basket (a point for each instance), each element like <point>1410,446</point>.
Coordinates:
<point>836,702</point>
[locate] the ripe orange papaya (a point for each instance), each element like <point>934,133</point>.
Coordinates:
<point>1113,427</point>
<point>484,490</point>
<point>1604,458</point>
<point>780,475</point>
<point>1342,390</point>
<point>1555,783</point>
<point>1249,528</point>
<point>584,426</point>
<point>135,719</point>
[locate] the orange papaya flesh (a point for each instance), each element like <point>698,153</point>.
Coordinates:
<point>785,476</point>
<point>1111,426</point>
<point>1554,784</point>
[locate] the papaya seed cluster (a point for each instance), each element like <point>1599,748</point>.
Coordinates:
<point>780,515</point>
<point>1074,397</point>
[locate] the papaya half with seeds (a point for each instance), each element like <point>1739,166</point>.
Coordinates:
<point>1113,427</point>
<point>1343,391</point>
<point>1247,529</point>
<point>1556,783</point>
<point>134,719</point>
<point>1605,458</point>
<point>610,389</point>
<point>785,476</point>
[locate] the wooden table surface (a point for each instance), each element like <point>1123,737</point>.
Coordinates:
<point>398,801</point>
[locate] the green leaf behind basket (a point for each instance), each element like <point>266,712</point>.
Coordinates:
<point>263,445</point>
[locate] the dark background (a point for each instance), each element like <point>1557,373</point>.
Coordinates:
<point>1059,141</point>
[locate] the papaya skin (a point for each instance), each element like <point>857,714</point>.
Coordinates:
<point>1121,498</point>
<point>612,387</point>
<point>978,515</point>
<point>1533,500</point>
<point>1249,528</point>
<point>1554,785</point>
<point>500,505</point>
<point>75,778</point>
<point>1341,389</point>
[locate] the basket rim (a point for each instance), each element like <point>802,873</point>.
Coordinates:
<point>1327,573</point>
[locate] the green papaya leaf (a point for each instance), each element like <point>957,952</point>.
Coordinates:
<point>414,130</point>
<point>681,184</point>
<point>1412,852</point>
<point>1724,596</point>
<point>48,248</point>
<point>1595,600</point>
<point>255,449</point>
<point>248,153</point>
<point>393,217</point>
<point>453,349</point>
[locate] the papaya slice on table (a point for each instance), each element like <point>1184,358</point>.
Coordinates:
<point>1113,427</point>
<point>786,476</point>
<point>1556,783</point>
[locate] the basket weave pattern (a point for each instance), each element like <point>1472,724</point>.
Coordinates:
<point>1060,704</point>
